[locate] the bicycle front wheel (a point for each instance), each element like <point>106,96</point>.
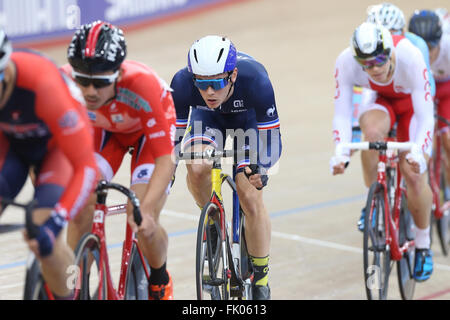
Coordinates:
<point>89,285</point>
<point>405,266</point>
<point>212,268</point>
<point>34,282</point>
<point>377,256</point>
<point>136,284</point>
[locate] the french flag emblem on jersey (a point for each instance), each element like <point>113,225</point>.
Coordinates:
<point>269,125</point>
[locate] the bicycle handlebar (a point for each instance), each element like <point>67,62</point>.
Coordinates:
<point>104,185</point>
<point>32,229</point>
<point>212,154</point>
<point>442,119</point>
<point>378,145</point>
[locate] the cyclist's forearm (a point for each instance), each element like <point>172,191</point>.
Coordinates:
<point>157,187</point>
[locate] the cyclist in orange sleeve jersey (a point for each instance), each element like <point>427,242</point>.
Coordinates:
<point>42,125</point>
<point>129,106</point>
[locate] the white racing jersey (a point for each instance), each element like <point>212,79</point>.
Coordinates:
<point>410,79</point>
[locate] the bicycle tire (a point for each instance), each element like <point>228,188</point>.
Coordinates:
<point>211,273</point>
<point>246,268</point>
<point>443,224</point>
<point>136,283</point>
<point>377,256</point>
<point>87,256</point>
<point>405,266</point>
<point>34,282</point>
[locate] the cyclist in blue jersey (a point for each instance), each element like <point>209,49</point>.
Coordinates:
<point>224,93</point>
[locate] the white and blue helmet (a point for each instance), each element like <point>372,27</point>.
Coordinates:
<point>212,55</point>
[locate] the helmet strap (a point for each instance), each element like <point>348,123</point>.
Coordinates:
<point>231,87</point>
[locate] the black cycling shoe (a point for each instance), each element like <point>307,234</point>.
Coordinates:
<point>261,292</point>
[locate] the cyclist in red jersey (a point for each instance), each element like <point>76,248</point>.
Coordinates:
<point>42,125</point>
<point>129,106</point>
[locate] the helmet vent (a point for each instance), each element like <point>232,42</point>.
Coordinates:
<point>220,54</point>
<point>195,55</point>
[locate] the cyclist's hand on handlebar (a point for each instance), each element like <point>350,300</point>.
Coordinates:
<point>256,176</point>
<point>416,160</point>
<point>338,164</point>
<point>147,226</point>
<point>43,244</point>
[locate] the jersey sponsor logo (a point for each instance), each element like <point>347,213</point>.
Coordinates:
<point>70,122</point>
<point>117,118</point>
<point>143,173</point>
<point>133,100</point>
<point>271,112</point>
<point>92,116</point>
<point>24,131</point>
<point>158,134</point>
<point>15,115</point>
<point>151,122</point>
<point>238,103</point>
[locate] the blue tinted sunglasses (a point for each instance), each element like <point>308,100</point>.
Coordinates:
<point>216,84</point>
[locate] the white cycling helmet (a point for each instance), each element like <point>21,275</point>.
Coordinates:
<point>211,55</point>
<point>5,50</point>
<point>371,40</point>
<point>388,15</point>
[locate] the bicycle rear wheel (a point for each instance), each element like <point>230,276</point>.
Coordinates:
<point>443,224</point>
<point>212,268</point>
<point>405,266</point>
<point>87,261</point>
<point>377,256</point>
<point>34,282</point>
<point>136,283</point>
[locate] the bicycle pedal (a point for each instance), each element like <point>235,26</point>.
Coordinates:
<point>236,292</point>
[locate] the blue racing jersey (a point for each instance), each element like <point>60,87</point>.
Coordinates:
<point>422,45</point>
<point>251,106</point>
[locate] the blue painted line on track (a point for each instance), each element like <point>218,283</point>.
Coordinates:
<point>320,205</point>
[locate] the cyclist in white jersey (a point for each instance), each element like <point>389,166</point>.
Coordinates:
<point>394,68</point>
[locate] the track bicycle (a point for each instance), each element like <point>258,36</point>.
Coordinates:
<point>388,225</point>
<point>94,279</point>
<point>441,202</point>
<point>223,267</point>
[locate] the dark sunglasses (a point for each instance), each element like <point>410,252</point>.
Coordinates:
<point>216,84</point>
<point>98,82</point>
<point>378,61</point>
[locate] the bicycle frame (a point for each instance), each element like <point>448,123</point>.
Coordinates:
<point>217,179</point>
<point>393,218</point>
<point>98,229</point>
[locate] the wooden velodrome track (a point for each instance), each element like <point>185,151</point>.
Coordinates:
<point>316,250</point>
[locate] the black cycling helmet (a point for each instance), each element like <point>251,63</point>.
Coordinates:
<point>426,24</point>
<point>96,48</point>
